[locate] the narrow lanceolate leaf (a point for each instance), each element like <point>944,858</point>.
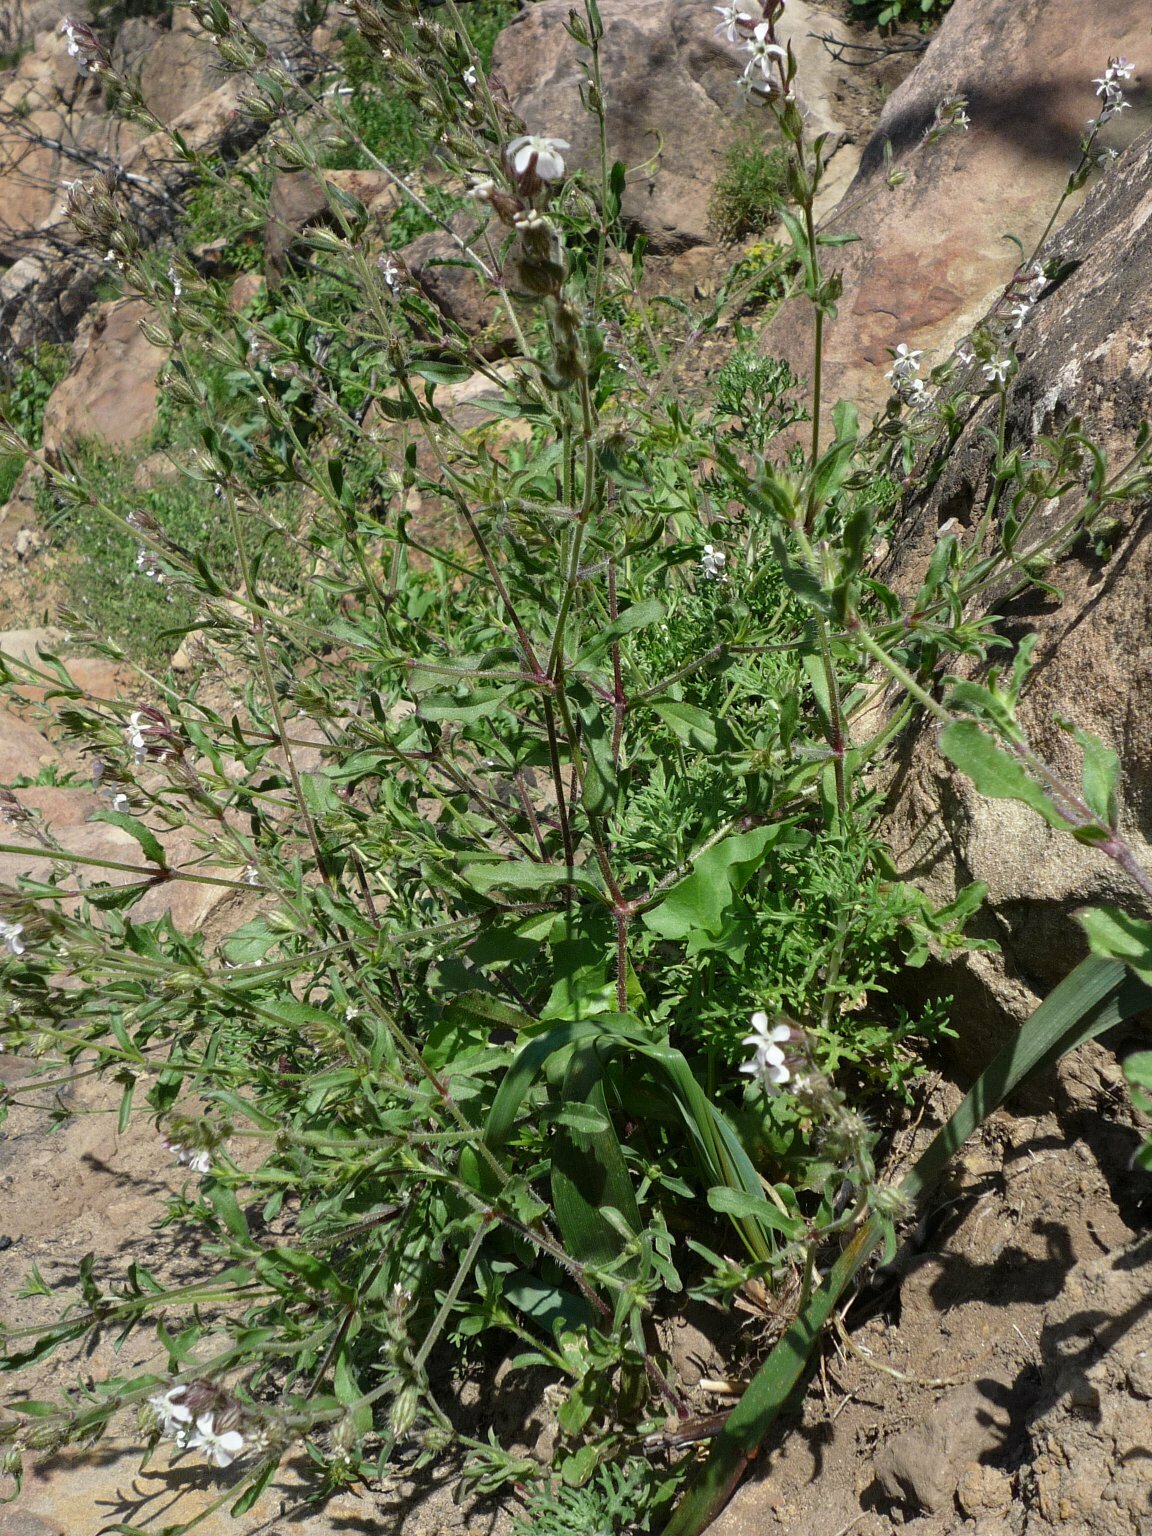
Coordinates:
<point>1097,995</point>
<point>995,772</point>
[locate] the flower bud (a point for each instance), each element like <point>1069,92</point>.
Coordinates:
<point>404,1408</point>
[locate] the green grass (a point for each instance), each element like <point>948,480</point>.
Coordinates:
<point>22,400</point>
<point>125,605</point>
<point>749,189</point>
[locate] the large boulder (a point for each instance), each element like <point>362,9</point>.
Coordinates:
<point>1086,352</point>
<point>673,99</point>
<point>932,252</point>
<point>111,391</point>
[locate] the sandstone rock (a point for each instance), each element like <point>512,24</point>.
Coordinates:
<point>1090,1432</point>
<point>23,750</point>
<point>111,391</point>
<point>1086,354</point>
<point>24,644</point>
<point>18,1523</point>
<point>673,99</point>
<point>441,269</point>
<point>175,66</point>
<point>932,255</point>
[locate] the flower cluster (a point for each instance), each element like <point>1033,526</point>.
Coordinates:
<point>84,46</point>
<point>201,1418</point>
<point>148,731</point>
<point>1108,86</point>
<point>148,564</point>
<point>904,375</point>
<point>712,563</point>
<point>769,1065</point>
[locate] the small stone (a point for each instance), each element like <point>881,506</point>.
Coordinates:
<point>983,1489</point>
<point>1140,1375</point>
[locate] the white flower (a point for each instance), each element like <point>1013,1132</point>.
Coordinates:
<point>177,285</point>
<point>470,77</point>
<point>731,17</point>
<point>768,1064</point>
<point>10,937</point>
<point>77,46</point>
<point>148,564</point>
<point>195,1161</point>
<point>389,270</point>
<point>712,562</point>
<point>137,725</point>
<point>175,1418</point>
<point>221,1450</point>
<point>531,219</point>
<point>121,803</point>
<point>905,362</point>
<point>997,370</point>
<point>763,51</point>
<point>482,189</point>
<point>251,875</point>
<point>1114,104</point>
<point>545,153</point>
<point>1020,312</point>
<point>1118,69</point>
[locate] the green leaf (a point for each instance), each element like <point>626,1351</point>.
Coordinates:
<point>442,373</point>
<point>224,1203</point>
<point>1114,935</point>
<point>589,1176</point>
<point>552,1308</point>
<point>149,845</point>
<point>480,704</point>
<point>995,772</point>
<point>698,902</point>
<point>526,878</point>
<point>523,1073</point>
<point>737,1202</point>
<point>640,616</point>
<point>1101,774</point>
<point>255,1488</point>
<point>691,725</point>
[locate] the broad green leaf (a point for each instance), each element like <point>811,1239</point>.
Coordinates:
<point>589,1175</point>
<point>1101,775</point>
<point>690,724</point>
<point>736,1202</point>
<point>480,704</point>
<point>639,616</point>
<point>525,877</point>
<point>699,902</point>
<point>547,1305</point>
